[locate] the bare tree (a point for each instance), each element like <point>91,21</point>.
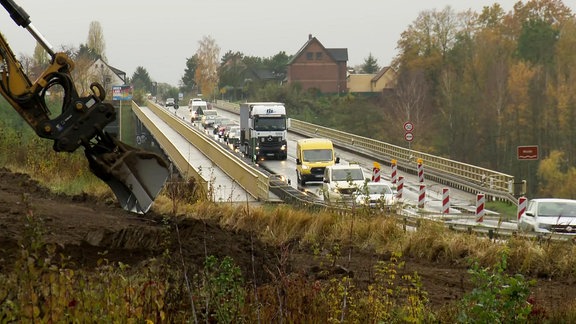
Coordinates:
<point>411,92</point>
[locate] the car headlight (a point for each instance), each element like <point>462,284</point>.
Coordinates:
<point>283,148</point>
<point>305,167</point>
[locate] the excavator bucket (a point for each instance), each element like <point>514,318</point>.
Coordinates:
<point>135,176</point>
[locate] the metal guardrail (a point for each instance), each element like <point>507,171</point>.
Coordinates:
<point>459,175</point>
<point>252,180</point>
<point>456,172</point>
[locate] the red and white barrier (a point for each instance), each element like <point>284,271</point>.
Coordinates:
<point>376,172</point>
<point>399,187</point>
<point>422,196</point>
<point>522,204</point>
<point>420,171</point>
<point>445,200</point>
<point>394,175</point>
<point>480,201</point>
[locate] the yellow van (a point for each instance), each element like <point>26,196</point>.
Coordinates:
<point>313,155</point>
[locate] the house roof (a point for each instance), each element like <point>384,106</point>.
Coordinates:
<point>337,54</point>
<point>263,74</point>
<point>121,74</point>
<point>380,73</point>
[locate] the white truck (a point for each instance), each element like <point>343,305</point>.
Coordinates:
<point>263,130</point>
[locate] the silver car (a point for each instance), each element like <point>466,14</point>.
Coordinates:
<point>377,195</point>
<point>549,215</point>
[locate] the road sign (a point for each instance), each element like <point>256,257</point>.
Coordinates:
<point>409,137</point>
<point>528,152</point>
<point>408,126</point>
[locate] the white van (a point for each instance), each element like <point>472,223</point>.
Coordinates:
<point>197,107</point>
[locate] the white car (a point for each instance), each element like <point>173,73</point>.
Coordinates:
<point>341,182</point>
<point>170,102</point>
<point>549,215</point>
<point>377,195</point>
<point>208,118</point>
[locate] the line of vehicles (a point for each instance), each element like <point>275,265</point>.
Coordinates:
<point>262,134</point>
<point>316,160</point>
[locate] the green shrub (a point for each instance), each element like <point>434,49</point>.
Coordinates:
<point>497,296</point>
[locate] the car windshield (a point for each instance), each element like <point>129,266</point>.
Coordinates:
<point>556,209</point>
<point>210,112</point>
<point>317,155</point>
<point>347,174</point>
<point>270,124</point>
<point>379,189</point>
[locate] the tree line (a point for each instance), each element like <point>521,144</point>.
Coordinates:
<point>478,85</point>
<point>475,85</point>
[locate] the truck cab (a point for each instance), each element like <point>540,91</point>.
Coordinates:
<point>263,130</point>
<point>313,155</point>
<point>341,182</point>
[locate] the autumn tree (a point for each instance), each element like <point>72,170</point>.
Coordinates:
<point>556,177</point>
<point>565,90</point>
<point>40,60</point>
<point>95,39</point>
<point>206,74</point>
<point>423,50</point>
<point>40,56</point>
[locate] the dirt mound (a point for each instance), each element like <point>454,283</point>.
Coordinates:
<point>87,230</point>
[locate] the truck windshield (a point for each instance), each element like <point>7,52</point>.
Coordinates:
<point>317,155</point>
<point>270,124</point>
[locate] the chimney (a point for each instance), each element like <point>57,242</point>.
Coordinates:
<point>309,36</point>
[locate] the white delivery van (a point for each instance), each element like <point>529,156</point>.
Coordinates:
<point>197,107</point>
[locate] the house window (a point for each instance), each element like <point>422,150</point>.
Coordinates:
<point>309,55</point>
<point>318,55</point>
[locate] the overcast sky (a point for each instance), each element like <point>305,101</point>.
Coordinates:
<point>161,35</point>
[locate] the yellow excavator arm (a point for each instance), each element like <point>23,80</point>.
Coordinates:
<point>135,176</point>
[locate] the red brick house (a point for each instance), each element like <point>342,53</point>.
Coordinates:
<point>318,67</point>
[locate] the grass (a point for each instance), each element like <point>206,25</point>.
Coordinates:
<point>118,290</point>
<point>507,211</point>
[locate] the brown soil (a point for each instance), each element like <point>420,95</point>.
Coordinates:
<point>84,228</point>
